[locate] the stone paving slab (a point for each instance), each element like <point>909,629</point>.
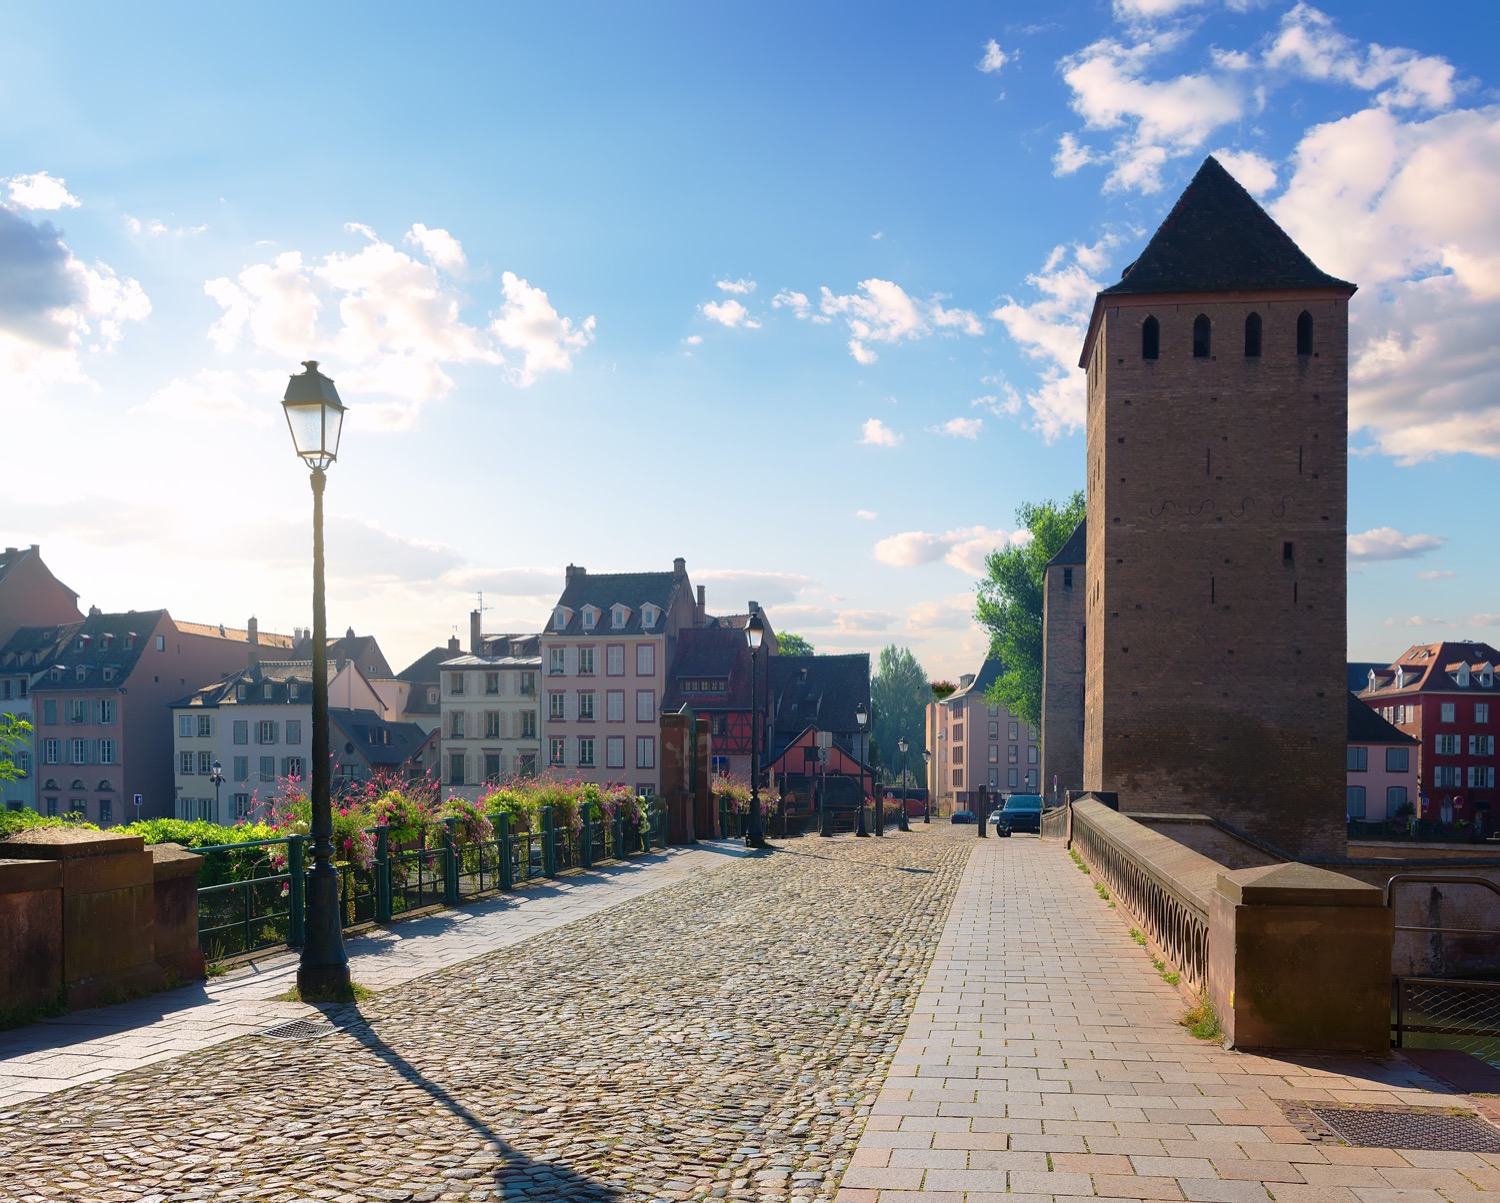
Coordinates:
<point>1044,1061</point>
<point>56,1054</point>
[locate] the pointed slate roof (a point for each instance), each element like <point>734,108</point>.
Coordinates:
<point>1218,239</point>
<point>1073,551</point>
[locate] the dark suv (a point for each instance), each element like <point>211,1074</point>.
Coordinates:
<point>1021,812</point>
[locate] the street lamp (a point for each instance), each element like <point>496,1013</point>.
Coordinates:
<point>755,832</point>
<point>217,778</point>
<point>862,716</point>
<point>986,804</point>
<point>315,416</point>
<point>927,776</point>
<point>901,824</point>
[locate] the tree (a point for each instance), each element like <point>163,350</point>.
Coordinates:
<point>14,731</point>
<point>790,644</point>
<point>1009,604</point>
<point>898,702</point>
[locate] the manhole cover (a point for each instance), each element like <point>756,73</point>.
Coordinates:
<point>1411,1129</point>
<point>304,1029</point>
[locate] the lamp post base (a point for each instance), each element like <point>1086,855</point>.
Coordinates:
<point>324,968</point>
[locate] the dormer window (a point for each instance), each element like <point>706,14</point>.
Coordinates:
<point>590,616</point>
<point>109,674</point>
<point>560,618</point>
<point>130,638</point>
<point>83,643</point>
<point>1371,681</point>
<point>1462,675</point>
<point>241,691</point>
<point>268,690</point>
<point>617,617</point>
<point>648,616</point>
<point>106,641</point>
<point>80,673</point>
<point>1486,676</point>
<point>1400,677</point>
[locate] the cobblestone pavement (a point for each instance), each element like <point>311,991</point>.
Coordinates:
<point>722,1037</point>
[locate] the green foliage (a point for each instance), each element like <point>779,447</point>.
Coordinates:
<point>1203,1021</point>
<point>197,833</point>
<point>15,733</point>
<point>13,821</point>
<point>790,644</point>
<point>899,695</point>
<point>1009,604</point>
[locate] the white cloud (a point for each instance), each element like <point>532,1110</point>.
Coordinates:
<point>960,428</point>
<point>738,287</point>
<point>1308,45</point>
<point>1071,155</point>
<point>1384,543</point>
<point>528,323</point>
<point>156,228</point>
<point>866,515</point>
<point>1439,575</point>
<point>884,312</point>
<point>40,191</point>
<point>693,340</point>
<point>729,313</point>
<point>877,434</point>
<point>1130,10</point>
<point>953,613</point>
<point>217,394</point>
<point>994,58</point>
<point>797,302</point>
<point>729,588</point>
<point>964,548</point>
<point>863,620</point>
<point>441,248</point>
<point>1255,172</point>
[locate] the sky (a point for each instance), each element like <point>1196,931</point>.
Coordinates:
<point>793,291</point>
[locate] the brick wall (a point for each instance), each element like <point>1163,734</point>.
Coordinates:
<point>1063,678</point>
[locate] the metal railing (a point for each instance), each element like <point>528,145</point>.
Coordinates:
<point>1444,1012</point>
<point>263,904</point>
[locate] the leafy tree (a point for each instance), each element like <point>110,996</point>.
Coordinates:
<point>899,694</point>
<point>1009,604</point>
<point>792,644</point>
<point>14,732</point>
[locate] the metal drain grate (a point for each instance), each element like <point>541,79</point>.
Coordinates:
<point>300,1029</point>
<point>1447,1131</point>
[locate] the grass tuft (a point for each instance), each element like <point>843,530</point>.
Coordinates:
<point>355,993</point>
<point>1203,1021</point>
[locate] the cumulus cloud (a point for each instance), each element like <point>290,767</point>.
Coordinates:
<point>55,310</point>
<point>877,434</point>
<point>884,312</point>
<point>1384,543</point>
<point>738,287</point>
<point>964,548</point>
<point>40,191</point>
<point>1309,46</point>
<point>994,58</point>
<point>390,322</point>
<point>797,302</point>
<point>960,428</point>
<point>866,515</point>
<point>729,588</point>
<point>954,613</point>
<point>1255,172</point>
<point>729,313</point>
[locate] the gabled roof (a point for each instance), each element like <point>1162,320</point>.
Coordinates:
<point>11,559</point>
<point>279,674</point>
<point>1218,239</point>
<point>424,669</point>
<point>603,590</point>
<point>108,654</point>
<point>382,744</point>
<point>512,645</point>
<point>1426,668</point>
<point>1368,727</point>
<point>988,673</point>
<point>263,639</point>
<point>818,690</point>
<point>716,654</point>
<point>1072,552</point>
<point>1359,673</point>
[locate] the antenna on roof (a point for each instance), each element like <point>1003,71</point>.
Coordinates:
<point>479,605</point>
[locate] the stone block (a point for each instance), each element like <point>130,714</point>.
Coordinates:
<point>1300,958</point>
<point>175,871</point>
<point>30,933</point>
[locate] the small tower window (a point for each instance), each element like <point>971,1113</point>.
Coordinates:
<point>1252,336</point>
<point>1304,333</point>
<point>1151,339</point>
<point>1202,337</point>
<point>1288,553</point>
<point>1067,578</point>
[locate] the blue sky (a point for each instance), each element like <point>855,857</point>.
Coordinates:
<point>792,291</point>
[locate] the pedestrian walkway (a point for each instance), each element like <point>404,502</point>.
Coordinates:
<point>102,1042</point>
<point>1044,1061</point>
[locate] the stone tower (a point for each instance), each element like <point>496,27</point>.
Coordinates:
<point>1217,441</point>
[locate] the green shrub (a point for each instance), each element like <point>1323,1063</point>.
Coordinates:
<point>14,821</point>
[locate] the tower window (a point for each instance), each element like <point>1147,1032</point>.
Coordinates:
<point>1286,552</point>
<point>1151,339</point>
<point>1252,336</point>
<point>1067,578</point>
<point>1202,337</point>
<point>1304,333</point>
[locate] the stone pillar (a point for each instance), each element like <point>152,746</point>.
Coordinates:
<point>108,909</point>
<point>705,807</point>
<point>175,871</point>
<point>676,773</point>
<point>1300,958</point>
<point>30,933</point>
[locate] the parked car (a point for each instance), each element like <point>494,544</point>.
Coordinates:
<point>962,816</point>
<point>1021,812</point>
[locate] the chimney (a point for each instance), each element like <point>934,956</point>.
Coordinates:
<point>702,615</point>
<point>574,570</point>
<point>454,647</point>
<point>679,567</point>
<point>252,638</point>
<point>476,638</point>
<point>94,611</point>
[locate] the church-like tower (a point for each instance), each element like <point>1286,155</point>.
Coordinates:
<point>1217,481</point>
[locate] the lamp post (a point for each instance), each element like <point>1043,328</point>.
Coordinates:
<point>755,832</point>
<point>986,804</point>
<point>901,819</point>
<point>315,416</point>
<point>217,778</point>
<point>862,716</point>
<point>927,776</point>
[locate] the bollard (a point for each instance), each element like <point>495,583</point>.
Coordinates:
<point>450,863</point>
<point>502,841</point>
<point>382,874</point>
<point>297,894</point>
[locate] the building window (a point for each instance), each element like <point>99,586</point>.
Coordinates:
<point>555,751</point>
<point>267,768</point>
<point>994,730</point>
<point>958,778</point>
<point>994,753</point>
<point>958,733</point>
<point>1150,345</point>
<point>586,662</point>
<point>585,752</point>
<point>456,725</point>
<point>645,708</point>
<point>456,768</point>
<point>432,695</point>
<point>492,683</point>
<point>294,731</point>
<point>645,752</point>
<point>1067,578</point>
<point>1014,728</point>
<point>555,705</point>
<point>205,764</point>
<point>241,731</point>
<point>1252,336</point>
<point>555,665</point>
<point>645,659</point>
<point>528,684</point>
<point>1481,712</point>
<point>107,711</point>
<point>268,691</point>
<point>528,724</point>
<point>1203,333</point>
<point>1446,745</point>
<point>1354,801</point>
<point>1304,333</point>
<point>586,705</point>
<point>617,617</point>
<point>1357,759</point>
<point>293,767</point>
<point>267,731</point>
<point>205,726</point>
<point>242,768</point>
<point>1012,753</point>
<point>51,751</point>
<point>1030,755</point>
<point>614,752</point>
<point>614,659</point>
<point>1397,760</point>
<point>1481,745</point>
<point>492,766</point>
<point>614,706</point>
<point>1447,776</point>
<point>492,724</point>
<point>456,684</point>
<point>589,615</point>
<point>186,763</point>
<point>1395,799</point>
<point>49,712</point>
<point>80,751</point>
<point>242,806</point>
<point>184,726</point>
<point>1481,776</point>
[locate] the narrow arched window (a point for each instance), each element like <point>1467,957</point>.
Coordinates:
<point>1151,339</point>
<point>1304,333</point>
<point>1202,337</point>
<point>1252,336</point>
